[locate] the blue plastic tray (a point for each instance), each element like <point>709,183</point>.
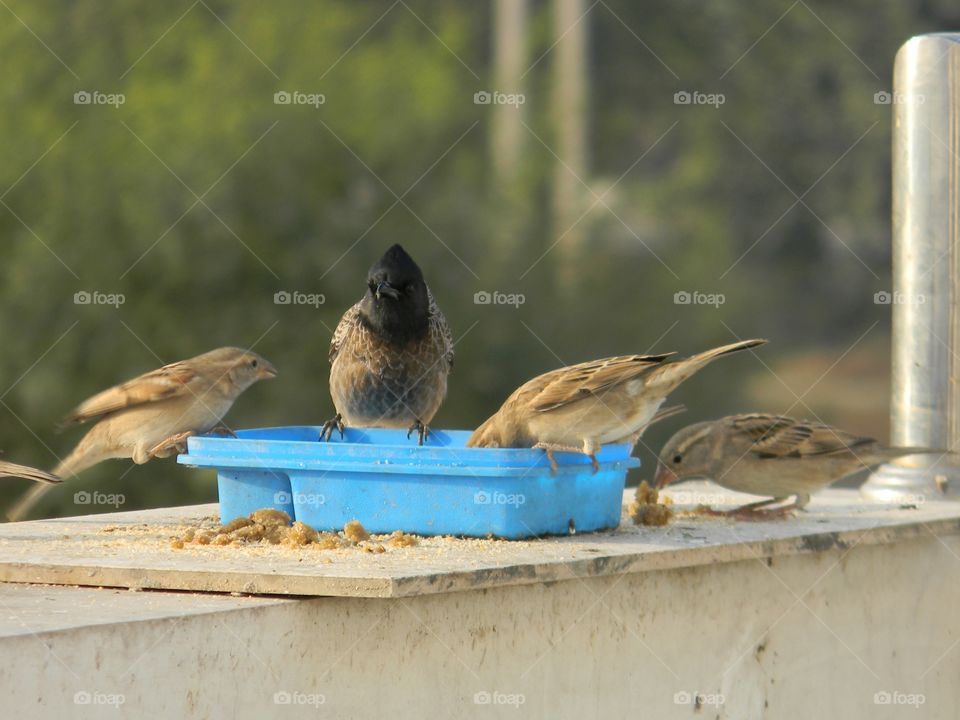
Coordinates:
<point>388,482</point>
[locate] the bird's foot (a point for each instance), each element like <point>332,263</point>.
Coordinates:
<point>335,423</point>
<point>222,430</point>
<point>551,448</point>
<point>173,445</point>
<point>422,431</point>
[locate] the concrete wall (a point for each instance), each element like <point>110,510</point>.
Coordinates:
<point>822,635</point>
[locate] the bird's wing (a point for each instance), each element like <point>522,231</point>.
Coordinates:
<point>345,327</point>
<point>167,382</point>
<point>440,330</point>
<point>774,436</point>
<point>569,384</point>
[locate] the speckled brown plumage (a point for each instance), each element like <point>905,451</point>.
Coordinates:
<point>582,407</point>
<point>391,352</point>
<point>770,455</point>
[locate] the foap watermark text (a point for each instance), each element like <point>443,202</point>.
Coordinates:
<point>295,97</point>
<point>95,297</point>
<point>683,297</point>
<point>496,297</point>
<point>483,97</point>
<point>295,297</point>
<point>684,97</point>
<point>95,97</point>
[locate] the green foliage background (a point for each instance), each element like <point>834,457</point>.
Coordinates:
<point>298,198</point>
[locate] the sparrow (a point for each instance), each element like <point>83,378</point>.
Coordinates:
<point>582,407</point>
<point>153,415</point>
<point>9,469</point>
<point>391,352</point>
<point>769,455</point>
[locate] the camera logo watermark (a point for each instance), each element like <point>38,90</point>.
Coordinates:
<point>95,97</point>
<point>898,298</point>
<point>896,697</point>
<point>283,97</point>
<point>285,697</point>
<point>698,699</point>
<point>87,697</point>
<point>288,498</point>
<point>496,697</point>
<point>684,97</point>
<point>284,297</point>
<point>483,97</point>
<point>499,298</point>
<point>482,497</point>
<point>683,297</point>
<point>95,297</point>
<point>896,98</point>
<point>98,498</point>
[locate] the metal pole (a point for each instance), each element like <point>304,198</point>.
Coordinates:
<point>925,402</point>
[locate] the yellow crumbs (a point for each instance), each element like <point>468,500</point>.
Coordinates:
<point>273,527</point>
<point>646,510</point>
<point>356,532</point>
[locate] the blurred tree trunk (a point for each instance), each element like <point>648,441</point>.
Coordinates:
<point>508,136</point>
<point>569,113</point>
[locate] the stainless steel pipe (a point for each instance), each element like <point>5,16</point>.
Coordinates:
<point>925,302</point>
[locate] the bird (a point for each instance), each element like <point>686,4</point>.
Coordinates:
<point>391,352</point>
<point>771,455</point>
<point>153,415</point>
<point>9,469</point>
<point>581,407</point>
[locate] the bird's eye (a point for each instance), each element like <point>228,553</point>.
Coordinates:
<point>677,459</point>
<point>253,363</point>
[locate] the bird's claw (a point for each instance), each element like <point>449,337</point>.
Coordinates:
<point>222,430</point>
<point>553,462</point>
<point>422,431</point>
<point>335,423</point>
<point>173,445</point>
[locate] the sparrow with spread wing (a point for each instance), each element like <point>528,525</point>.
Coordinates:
<point>153,415</point>
<point>391,352</point>
<point>582,407</point>
<point>770,455</point>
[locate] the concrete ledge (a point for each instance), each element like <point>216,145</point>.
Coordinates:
<point>133,550</point>
<point>832,633</point>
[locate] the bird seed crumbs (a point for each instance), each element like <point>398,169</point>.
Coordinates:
<point>398,538</point>
<point>355,532</point>
<point>646,510</point>
<point>272,527</point>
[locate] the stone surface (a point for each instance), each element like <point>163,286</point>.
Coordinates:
<point>835,633</point>
<point>133,550</point>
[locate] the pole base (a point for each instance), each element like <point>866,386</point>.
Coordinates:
<point>895,483</point>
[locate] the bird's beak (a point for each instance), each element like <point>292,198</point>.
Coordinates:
<point>387,289</point>
<point>266,371</point>
<point>664,476</point>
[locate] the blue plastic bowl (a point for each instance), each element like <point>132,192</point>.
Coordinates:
<point>388,482</point>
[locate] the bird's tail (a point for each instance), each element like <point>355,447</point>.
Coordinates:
<point>84,455</point>
<point>9,469</point>
<point>26,503</point>
<point>667,412</point>
<point>669,376</point>
<point>892,453</point>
